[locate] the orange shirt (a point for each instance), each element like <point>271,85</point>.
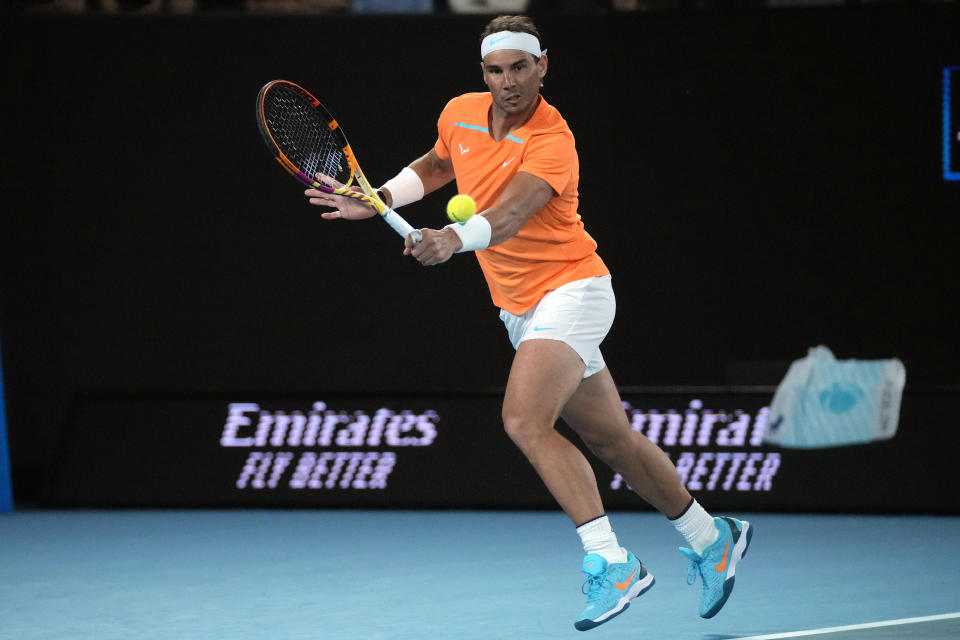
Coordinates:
<point>552,248</point>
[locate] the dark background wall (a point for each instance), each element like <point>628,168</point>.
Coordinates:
<point>758,181</point>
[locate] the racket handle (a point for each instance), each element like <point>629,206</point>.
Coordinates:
<point>401,226</point>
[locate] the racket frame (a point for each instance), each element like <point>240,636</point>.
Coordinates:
<point>365,194</point>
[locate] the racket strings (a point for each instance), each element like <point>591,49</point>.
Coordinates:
<point>304,137</point>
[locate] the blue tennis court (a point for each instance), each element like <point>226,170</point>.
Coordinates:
<point>452,574</point>
<point>224,416</point>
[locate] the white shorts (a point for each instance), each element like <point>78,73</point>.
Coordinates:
<point>578,313</point>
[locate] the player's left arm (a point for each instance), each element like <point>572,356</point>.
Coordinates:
<point>523,197</point>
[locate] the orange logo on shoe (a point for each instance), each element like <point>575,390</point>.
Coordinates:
<point>623,585</point>
<point>589,565</point>
<point>723,563</point>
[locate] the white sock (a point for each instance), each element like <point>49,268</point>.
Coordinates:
<point>599,538</point>
<point>697,527</point>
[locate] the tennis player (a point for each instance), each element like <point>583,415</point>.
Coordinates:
<point>515,155</point>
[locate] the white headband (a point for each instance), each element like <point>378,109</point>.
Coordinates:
<point>511,40</point>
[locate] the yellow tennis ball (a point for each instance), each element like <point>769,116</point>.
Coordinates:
<point>461,208</point>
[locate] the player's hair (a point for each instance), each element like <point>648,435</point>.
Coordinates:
<point>520,24</point>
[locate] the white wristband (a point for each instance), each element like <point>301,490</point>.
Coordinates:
<point>474,233</point>
<point>404,188</point>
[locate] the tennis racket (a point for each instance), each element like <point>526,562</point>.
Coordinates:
<point>309,144</point>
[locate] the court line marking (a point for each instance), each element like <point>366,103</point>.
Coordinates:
<point>853,627</point>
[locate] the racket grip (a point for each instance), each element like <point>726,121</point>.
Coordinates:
<point>401,226</point>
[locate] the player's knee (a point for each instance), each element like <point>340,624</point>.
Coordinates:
<point>606,450</point>
<point>522,428</point>
<point>611,450</point>
<point>515,425</point>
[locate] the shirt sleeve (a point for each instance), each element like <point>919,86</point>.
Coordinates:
<point>442,147</point>
<point>551,157</point>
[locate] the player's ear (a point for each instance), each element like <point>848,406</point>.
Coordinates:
<point>542,66</point>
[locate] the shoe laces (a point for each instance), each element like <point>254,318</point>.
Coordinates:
<point>593,586</point>
<point>695,565</point>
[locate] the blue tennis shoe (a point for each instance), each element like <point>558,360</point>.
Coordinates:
<point>610,588</point>
<point>717,566</point>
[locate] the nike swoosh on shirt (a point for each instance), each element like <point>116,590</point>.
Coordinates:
<point>623,585</point>
<point>508,162</point>
<point>723,563</point>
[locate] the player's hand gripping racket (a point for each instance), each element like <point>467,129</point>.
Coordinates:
<point>307,142</point>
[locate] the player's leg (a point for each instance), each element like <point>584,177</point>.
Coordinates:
<point>596,413</point>
<point>544,375</point>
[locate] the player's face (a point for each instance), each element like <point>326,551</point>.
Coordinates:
<point>513,78</point>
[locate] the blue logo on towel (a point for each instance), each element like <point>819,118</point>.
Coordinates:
<point>840,398</point>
